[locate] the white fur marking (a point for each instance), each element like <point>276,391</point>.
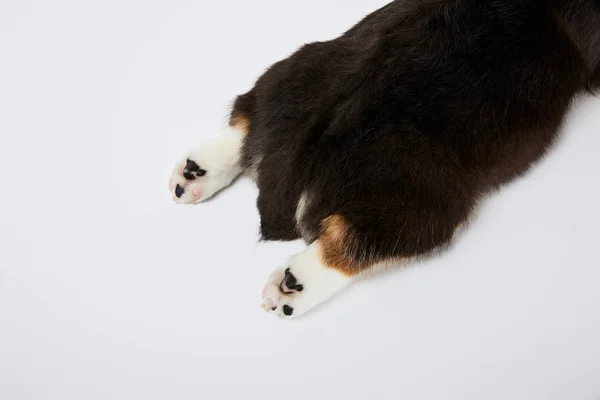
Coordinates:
<point>303,205</point>
<point>252,171</point>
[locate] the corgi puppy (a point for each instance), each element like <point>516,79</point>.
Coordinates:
<point>375,147</point>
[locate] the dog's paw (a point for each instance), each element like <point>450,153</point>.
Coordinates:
<point>283,295</point>
<point>294,290</point>
<point>206,169</point>
<point>187,182</point>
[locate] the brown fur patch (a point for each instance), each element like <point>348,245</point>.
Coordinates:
<point>335,239</point>
<point>240,121</point>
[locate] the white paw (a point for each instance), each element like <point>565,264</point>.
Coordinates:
<point>293,291</point>
<point>274,300</point>
<point>186,183</point>
<point>206,169</point>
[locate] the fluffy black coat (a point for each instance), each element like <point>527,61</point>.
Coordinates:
<point>405,121</point>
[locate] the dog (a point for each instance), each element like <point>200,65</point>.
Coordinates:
<point>375,147</point>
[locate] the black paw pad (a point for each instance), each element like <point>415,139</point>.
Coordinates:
<point>179,191</point>
<point>289,283</point>
<point>287,310</point>
<point>192,170</point>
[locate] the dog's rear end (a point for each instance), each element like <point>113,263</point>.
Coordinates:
<point>375,147</point>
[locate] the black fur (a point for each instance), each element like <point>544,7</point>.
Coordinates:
<point>404,122</point>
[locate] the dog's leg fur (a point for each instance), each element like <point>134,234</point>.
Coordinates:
<point>210,166</point>
<point>348,245</point>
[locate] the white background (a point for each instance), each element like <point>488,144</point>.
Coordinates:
<point>108,290</point>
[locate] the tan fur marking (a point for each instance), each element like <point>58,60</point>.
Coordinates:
<point>241,122</point>
<point>335,239</point>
